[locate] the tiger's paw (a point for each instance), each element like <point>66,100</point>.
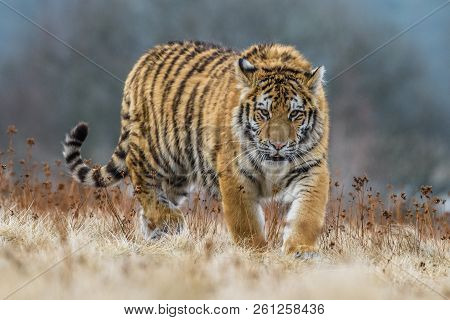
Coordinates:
<point>148,230</point>
<point>301,252</point>
<point>309,255</point>
<point>151,232</point>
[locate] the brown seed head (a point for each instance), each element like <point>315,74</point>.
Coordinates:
<point>11,129</point>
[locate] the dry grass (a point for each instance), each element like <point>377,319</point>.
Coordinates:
<point>371,248</point>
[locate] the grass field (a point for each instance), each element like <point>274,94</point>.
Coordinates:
<point>62,241</point>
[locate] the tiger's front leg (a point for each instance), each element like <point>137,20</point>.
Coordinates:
<point>244,217</point>
<point>306,215</point>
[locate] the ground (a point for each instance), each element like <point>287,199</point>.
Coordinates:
<point>94,259</point>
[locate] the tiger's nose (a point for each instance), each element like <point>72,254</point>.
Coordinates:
<point>277,145</point>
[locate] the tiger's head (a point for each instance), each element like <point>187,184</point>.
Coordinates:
<point>279,118</point>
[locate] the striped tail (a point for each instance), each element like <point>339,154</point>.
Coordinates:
<point>104,176</point>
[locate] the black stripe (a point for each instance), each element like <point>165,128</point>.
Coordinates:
<point>76,164</point>
<point>202,162</point>
<point>217,128</point>
<point>320,134</point>
<point>188,127</point>
<point>219,62</point>
<point>72,156</point>
<point>167,87</point>
<point>136,94</point>
<point>248,175</point>
<point>268,86</point>
<point>283,69</point>
<point>293,177</point>
<point>314,119</point>
<point>139,159</point>
<point>114,171</point>
<point>199,141</point>
<point>254,163</point>
<point>159,157</point>
<point>73,143</point>
<point>247,110</point>
<point>80,132</point>
<point>149,56</point>
<point>198,67</point>
<point>144,164</point>
<point>120,153</point>
<point>145,105</point>
<point>163,63</point>
<point>187,58</point>
<point>195,145</point>
<point>149,107</point>
<point>213,181</point>
<point>303,170</point>
<point>248,132</point>
<point>307,98</point>
<point>82,173</point>
<point>126,116</point>
<point>175,43</point>
<point>98,179</point>
<point>295,80</point>
<point>216,145</point>
<point>307,122</point>
<point>124,135</point>
<point>198,131</point>
<point>137,173</point>
<point>251,53</point>
<point>177,181</point>
<point>311,114</point>
<point>291,87</point>
<point>155,153</point>
<point>240,115</point>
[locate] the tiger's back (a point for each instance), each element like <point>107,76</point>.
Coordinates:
<point>178,96</point>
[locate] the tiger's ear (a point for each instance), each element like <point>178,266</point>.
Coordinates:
<point>316,81</point>
<point>246,71</point>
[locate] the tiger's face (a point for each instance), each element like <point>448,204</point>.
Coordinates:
<point>280,118</point>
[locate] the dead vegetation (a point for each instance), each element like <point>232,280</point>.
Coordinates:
<point>61,240</point>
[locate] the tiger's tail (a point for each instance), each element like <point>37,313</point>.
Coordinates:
<point>107,175</point>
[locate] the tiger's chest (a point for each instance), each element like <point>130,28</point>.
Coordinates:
<point>273,182</point>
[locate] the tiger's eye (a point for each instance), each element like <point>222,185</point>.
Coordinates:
<point>265,113</point>
<point>294,113</point>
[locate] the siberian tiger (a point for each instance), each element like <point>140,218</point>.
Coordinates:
<point>246,127</point>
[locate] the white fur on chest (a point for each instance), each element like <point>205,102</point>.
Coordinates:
<point>273,186</point>
<point>273,181</point>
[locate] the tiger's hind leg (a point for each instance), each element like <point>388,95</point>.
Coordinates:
<point>157,219</point>
<point>159,199</point>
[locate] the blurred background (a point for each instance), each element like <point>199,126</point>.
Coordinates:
<point>390,115</point>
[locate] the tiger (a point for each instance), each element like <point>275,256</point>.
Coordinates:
<point>246,127</point>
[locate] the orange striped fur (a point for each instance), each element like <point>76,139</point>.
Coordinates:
<point>246,127</point>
